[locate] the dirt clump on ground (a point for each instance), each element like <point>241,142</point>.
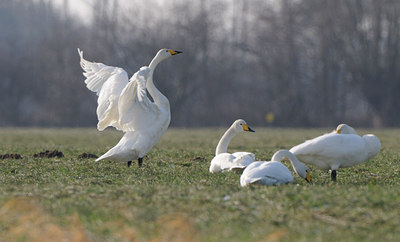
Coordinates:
<point>10,156</point>
<point>49,154</point>
<point>199,159</point>
<point>87,156</point>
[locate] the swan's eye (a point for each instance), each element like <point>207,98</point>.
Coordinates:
<point>166,51</point>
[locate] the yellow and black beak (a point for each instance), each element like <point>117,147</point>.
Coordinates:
<point>338,131</point>
<point>247,128</point>
<point>308,178</point>
<point>174,52</point>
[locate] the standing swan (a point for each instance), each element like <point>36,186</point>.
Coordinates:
<point>274,172</point>
<point>125,105</point>
<point>224,161</point>
<point>341,149</point>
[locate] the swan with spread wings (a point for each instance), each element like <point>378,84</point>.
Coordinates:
<point>124,104</point>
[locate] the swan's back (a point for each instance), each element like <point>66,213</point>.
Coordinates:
<point>342,150</point>
<point>266,173</point>
<point>243,159</point>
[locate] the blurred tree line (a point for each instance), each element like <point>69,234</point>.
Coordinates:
<point>302,62</point>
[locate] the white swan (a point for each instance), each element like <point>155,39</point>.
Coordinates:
<point>224,161</point>
<point>125,105</point>
<point>340,149</point>
<point>274,172</point>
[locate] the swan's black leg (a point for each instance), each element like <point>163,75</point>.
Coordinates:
<point>140,161</point>
<point>333,175</point>
<point>129,163</point>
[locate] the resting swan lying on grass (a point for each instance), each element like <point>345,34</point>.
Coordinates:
<point>224,161</point>
<point>274,172</point>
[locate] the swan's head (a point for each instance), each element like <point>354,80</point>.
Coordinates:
<point>373,143</point>
<point>345,129</point>
<point>241,125</point>
<point>165,54</point>
<point>301,169</point>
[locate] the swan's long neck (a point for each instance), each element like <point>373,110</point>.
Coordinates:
<point>223,143</point>
<point>282,154</point>
<point>159,99</point>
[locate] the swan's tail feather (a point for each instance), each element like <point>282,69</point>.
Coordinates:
<point>237,168</point>
<point>102,157</point>
<point>107,155</point>
<point>245,181</point>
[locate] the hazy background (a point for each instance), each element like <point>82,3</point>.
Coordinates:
<point>305,62</point>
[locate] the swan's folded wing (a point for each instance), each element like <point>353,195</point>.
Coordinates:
<point>241,160</point>
<point>108,83</point>
<point>251,173</point>
<point>136,111</point>
<point>221,162</point>
<point>329,145</point>
<point>245,181</point>
<point>267,173</point>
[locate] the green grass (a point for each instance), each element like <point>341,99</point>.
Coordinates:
<point>174,197</point>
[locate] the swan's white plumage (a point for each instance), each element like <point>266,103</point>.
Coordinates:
<point>273,172</point>
<point>107,82</point>
<point>228,162</point>
<point>242,160</point>
<point>224,161</point>
<point>133,145</point>
<point>337,150</point>
<point>136,110</point>
<point>266,173</point>
<point>125,105</point>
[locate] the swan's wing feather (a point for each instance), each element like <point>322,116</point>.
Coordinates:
<point>108,83</point>
<point>107,109</point>
<point>250,173</point>
<point>97,74</point>
<point>136,111</point>
<point>330,145</point>
<point>141,88</point>
<point>274,170</point>
<point>241,153</point>
<point>242,159</point>
<point>221,162</point>
<point>267,173</point>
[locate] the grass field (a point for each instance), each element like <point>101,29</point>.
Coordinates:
<point>174,197</point>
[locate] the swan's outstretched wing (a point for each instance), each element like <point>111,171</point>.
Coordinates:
<point>107,82</point>
<point>97,74</point>
<point>136,111</point>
